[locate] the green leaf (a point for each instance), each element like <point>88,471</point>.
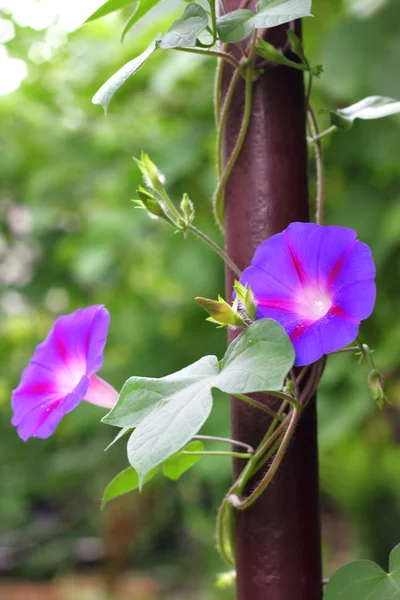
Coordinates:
<point>140,396</point>
<point>364,579</point>
<point>108,89</point>
<point>373,107</point>
<point>177,419</point>
<point>124,482</point>
<point>269,52</point>
<point>107,8</point>
<point>184,32</point>
<point>257,360</point>
<point>235,26</point>
<point>178,464</point>
<point>141,10</point>
<point>168,412</point>
<point>271,13</point>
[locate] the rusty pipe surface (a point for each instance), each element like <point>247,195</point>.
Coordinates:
<point>278,550</point>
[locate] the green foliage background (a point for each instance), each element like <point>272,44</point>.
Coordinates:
<point>70,237</point>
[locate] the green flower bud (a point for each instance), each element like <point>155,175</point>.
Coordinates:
<point>375,384</point>
<point>221,312</point>
<point>245,296</point>
<point>151,175</point>
<point>187,209</point>
<point>150,204</point>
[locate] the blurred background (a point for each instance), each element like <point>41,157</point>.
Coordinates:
<point>70,237</point>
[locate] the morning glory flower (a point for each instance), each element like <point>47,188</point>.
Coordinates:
<point>317,282</point>
<point>61,373</point>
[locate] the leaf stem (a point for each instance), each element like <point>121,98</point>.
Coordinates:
<point>296,405</point>
<point>213,438</point>
<point>259,405</point>
<point>319,217</point>
<point>213,19</point>
<point>215,53</point>
<point>216,249</point>
<point>319,136</point>
<point>365,351</point>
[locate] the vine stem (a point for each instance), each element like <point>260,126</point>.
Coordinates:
<point>259,405</point>
<point>319,217</point>
<point>222,122</point>
<point>216,249</point>
<point>213,438</point>
<point>219,193</point>
<point>321,135</point>
<point>215,53</point>
<point>283,446</point>
<point>217,87</point>
<point>217,453</point>
<point>366,352</point>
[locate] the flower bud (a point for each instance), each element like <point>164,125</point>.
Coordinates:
<point>150,204</point>
<point>151,175</point>
<point>221,312</point>
<point>375,384</point>
<point>187,209</point>
<point>246,299</point>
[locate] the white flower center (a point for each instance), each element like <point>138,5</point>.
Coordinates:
<point>313,303</point>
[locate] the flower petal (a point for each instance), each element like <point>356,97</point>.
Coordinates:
<point>337,242</point>
<point>304,241</point>
<point>82,335</point>
<point>42,419</point>
<point>337,331</point>
<point>357,265</point>
<point>274,259</point>
<point>101,393</point>
<point>357,299</point>
<point>308,345</point>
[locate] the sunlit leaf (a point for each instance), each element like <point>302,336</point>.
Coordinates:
<point>121,433</point>
<point>186,29</point>
<point>373,107</point>
<point>271,13</point>
<point>108,89</point>
<point>177,465</point>
<point>235,26</point>
<point>124,482</point>
<point>364,579</point>
<point>272,54</point>
<point>107,8</point>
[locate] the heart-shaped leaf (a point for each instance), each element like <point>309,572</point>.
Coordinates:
<point>177,465</point>
<point>235,26</point>
<point>107,8</point>
<point>271,13</point>
<point>373,107</point>
<point>108,89</point>
<point>184,32</point>
<point>168,412</point>
<point>364,579</point>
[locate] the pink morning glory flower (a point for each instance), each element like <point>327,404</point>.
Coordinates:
<point>62,373</point>
<point>317,282</point>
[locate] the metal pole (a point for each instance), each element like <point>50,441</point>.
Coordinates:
<point>278,549</point>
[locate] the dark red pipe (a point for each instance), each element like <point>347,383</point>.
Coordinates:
<point>278,548</point>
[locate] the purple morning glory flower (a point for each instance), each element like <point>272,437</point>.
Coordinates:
<point>317,282</point>
<point>62,373</point>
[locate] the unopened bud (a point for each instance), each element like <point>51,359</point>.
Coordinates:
<point>150,204</point>
<point>187,209</point>
<point>151,175</point>
<point>246,298</point>
<point>375,384</point>
<point>221,312</point>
